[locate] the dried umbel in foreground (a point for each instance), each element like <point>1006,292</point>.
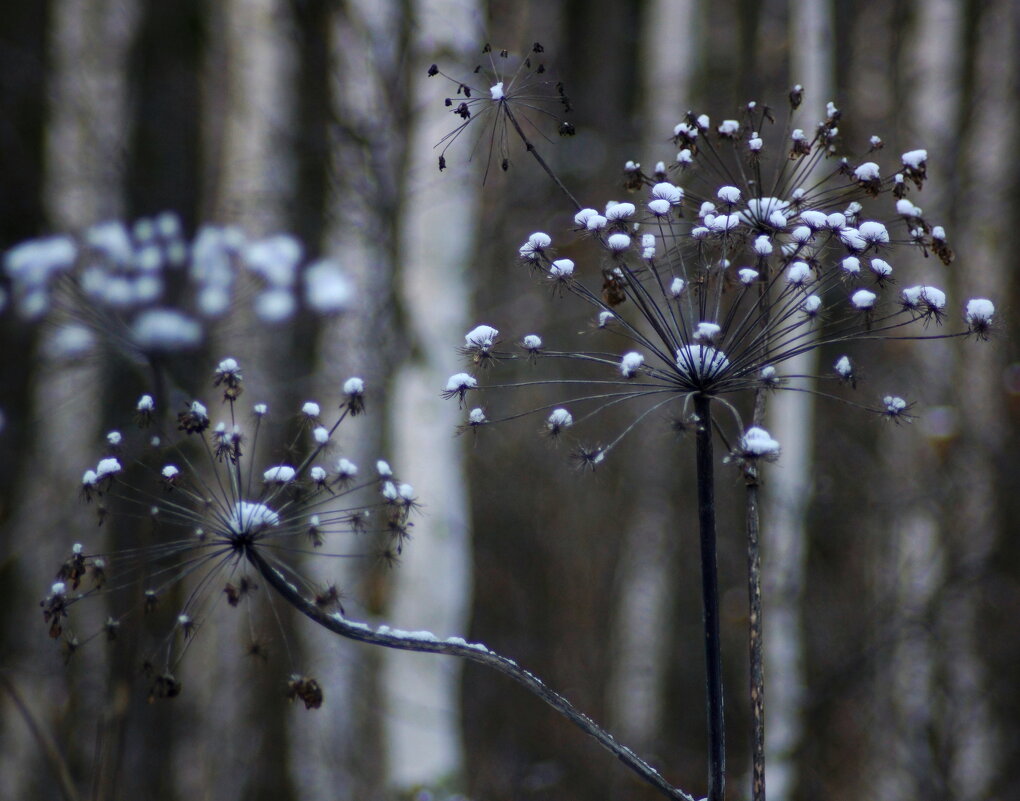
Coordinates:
<point>739,256</point>
<point>222,532</point>
<point>202,507</point>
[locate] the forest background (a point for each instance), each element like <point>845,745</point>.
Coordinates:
<point>892,570</point>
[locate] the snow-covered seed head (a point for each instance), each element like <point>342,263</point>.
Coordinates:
<point>673,195</point>
<point>648,246</point>
<point>706,333</point>
<point>558,420</point>
<point>895,408</point>
<point>228,374</point>
<point>476,417</point>
<point>811,306</point>
<point>618,243</point>
<point>631,363</point>
<point>701,362</point>
<point>979,315</point>
<point>618,212</point>
<point>927,301</point>
<point>677,287</point>
<point>561,269</point>
<point>874,233</point>
<point>747,276</point>
<point>458,386</point>
<point>863,299</point>
<point>281,474</point>
<point>483,337</point>
<point>248,518</point>
<point>536,245</point>
<point>769,377</point>
<point>354,394</point>
<point>311,410</point>
<point>757,443</point>
<point>763,245</point>
<point>851,265</point>
<point>532,343</point>
<point>497,91</point>
<point>846,371</point>
<point>798,274</point>
<point>729,195</point>
<point>881,268</point>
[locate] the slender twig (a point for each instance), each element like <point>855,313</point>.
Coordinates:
<point>710,601</point>
<point>538,157</point>
<point>426,642</point>
<point>46,743</point>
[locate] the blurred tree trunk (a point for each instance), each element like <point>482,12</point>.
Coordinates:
<point>788,487</point>
<point>249,177</point>
<point>432,586</point>
<point>645,577</point>
<point>971,740</point>
<point>84,142</point>
<point>24,78</point>
<point>909,757</point>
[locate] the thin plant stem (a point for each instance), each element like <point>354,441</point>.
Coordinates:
<point>427,643</point>
<point>710,601</point>
<point>755,642</point>
<point>51,752</point>
<point>538,157</point>
<point>755,626</point>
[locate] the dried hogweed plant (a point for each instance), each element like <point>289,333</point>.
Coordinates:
<point>212,524</point>
<point>749,248</point>
<point>217,531</point>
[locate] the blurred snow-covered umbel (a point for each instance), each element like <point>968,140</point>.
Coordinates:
<point>147,290</point>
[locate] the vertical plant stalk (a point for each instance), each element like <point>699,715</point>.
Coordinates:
<point>755,643</point>
<point>755,626</point>
<point>710,601</point>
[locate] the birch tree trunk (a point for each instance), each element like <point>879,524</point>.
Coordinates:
<point>645,576</point>
<point>85,140</point>
<point>246,114</point>
<point>916,571</point>
<point>432,586</point>
<point>788,486</point>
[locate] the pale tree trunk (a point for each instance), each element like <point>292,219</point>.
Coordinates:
<point>972,744</point>
<point>86,137</point>
<point>342,754</point>
<point>432,584</point>
<point>907,761</point>
<point>645,582</point>
<point>788,486</point>
<point>246,113</point>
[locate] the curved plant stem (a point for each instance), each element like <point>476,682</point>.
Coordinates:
<point>46,744</point>
<point>476,652</point>
<point>710,601</point>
